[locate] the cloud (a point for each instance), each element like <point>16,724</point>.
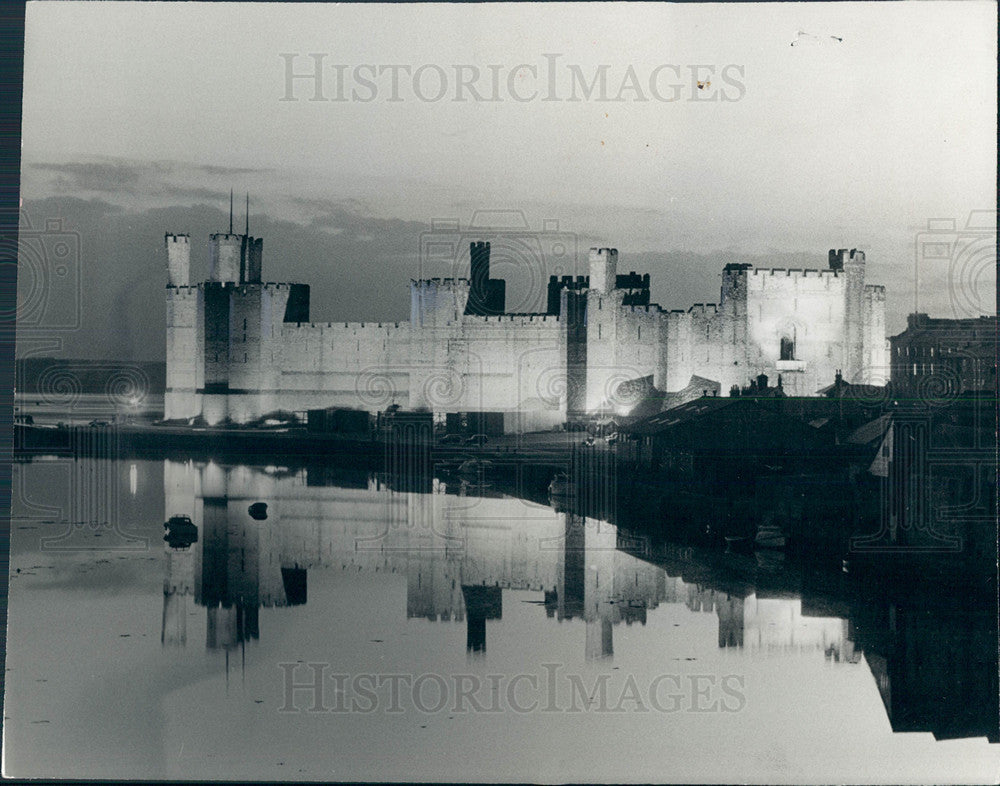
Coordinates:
<point>128,179</point>
<point>215,170</point>
<point>102,177</point>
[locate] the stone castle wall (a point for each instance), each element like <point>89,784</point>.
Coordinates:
<point>240,349</point>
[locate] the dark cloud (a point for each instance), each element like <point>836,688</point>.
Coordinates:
<point>215,170</point>
<point>130,178</point>
<point>103,177</point>
<point>215,196</point>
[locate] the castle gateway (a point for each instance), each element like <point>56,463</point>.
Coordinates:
<point>239,348</point>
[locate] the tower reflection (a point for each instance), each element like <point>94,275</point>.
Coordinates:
<point>458,554</point>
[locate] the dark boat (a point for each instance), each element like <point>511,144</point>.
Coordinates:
<point>181,532</point>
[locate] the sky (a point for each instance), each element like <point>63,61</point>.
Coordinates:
<point>817,126</point>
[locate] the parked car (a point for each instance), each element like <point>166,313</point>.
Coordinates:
<point>99,424</point>
<point>477,439</point>
<point>451,439</point>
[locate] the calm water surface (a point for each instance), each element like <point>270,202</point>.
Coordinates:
<point>455,632</point>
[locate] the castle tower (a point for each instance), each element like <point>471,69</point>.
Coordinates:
<point>255,255</point>
<point>217,322</point>
<point>487,296</point>
<point>226,257</point>
<point>182,331</point>
<point>853,266</point>
<point>178,259</point>
<point>734,287</point>
<point>603,268</point>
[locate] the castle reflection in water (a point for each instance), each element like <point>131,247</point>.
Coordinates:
<point>460,546</point>
<point>457,551</point>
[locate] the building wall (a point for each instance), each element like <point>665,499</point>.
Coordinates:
<point>940,357</point>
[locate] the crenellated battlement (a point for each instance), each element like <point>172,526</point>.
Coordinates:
<point>346,327</point>
<point>794,272</point>
<point>425,283</point>
<point>580,282</point>
<point>841,258</point>
<point>649,308</point>
<point>517,319</point>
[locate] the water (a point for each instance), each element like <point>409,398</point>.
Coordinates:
<point>460,633</point>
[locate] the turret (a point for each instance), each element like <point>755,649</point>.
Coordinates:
<point>255,256</point>
<point>603,268</point>
<point>226,250</point>
<point>734,284</point>
<point>178,259</point>
<point>487,296</point>
<point>852,264</point>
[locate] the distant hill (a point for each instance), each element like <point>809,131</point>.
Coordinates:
<point>37,375</point>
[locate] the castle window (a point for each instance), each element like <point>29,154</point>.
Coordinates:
<point>244,357</point>
<point>914,369</point>
<point>638,331</point>
<point>787,348</point>
<point>244,323</point>
<point>598,331</point>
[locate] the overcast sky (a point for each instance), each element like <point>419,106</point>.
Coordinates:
<point>138,118</point>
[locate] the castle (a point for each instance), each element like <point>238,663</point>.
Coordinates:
<point>239,348</point>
